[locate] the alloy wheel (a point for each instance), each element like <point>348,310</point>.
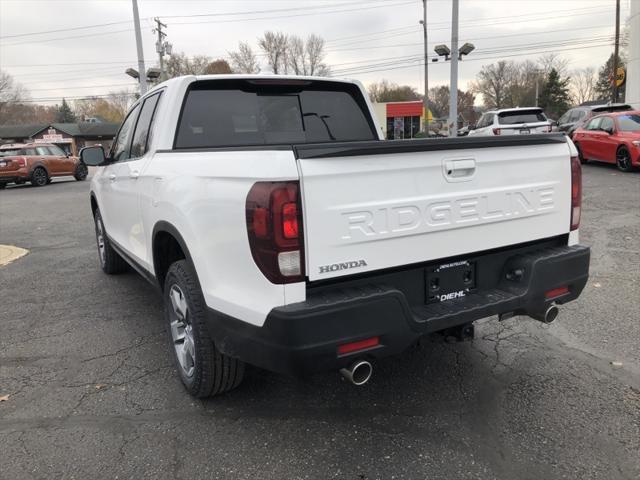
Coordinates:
<point>100,240</point>
<point>182,331</point>
<point>623,159</point>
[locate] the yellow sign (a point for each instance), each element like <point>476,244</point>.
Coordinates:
<point>620,76</point>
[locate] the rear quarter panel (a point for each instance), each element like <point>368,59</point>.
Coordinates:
<point>203,194</point>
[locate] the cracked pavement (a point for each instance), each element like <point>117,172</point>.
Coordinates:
<point>85,360</point>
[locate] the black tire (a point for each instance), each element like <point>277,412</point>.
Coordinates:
<point>39,177</point>
<point>110,262</point>
<point>81,172</point>
<point>623,160</point>
<point>580,156</point>
<point>206,372</point>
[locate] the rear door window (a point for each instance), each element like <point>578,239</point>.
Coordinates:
<point>42,151</point>
<point>120,147</point>
<point>629,123</point>
<point>521,116</point>
<point>223,113</point>
<point>143,127</point>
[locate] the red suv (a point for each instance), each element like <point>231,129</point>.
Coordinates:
<point>37,163</point>
<point>611,138</point>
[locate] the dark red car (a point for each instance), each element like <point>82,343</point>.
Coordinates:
<point>611,138</point>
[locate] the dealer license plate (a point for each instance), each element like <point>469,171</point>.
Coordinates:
<point>450,281</point>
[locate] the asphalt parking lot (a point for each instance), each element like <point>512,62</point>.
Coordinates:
<point>92,391</point>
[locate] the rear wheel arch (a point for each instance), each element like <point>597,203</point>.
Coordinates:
<point>168,246</point>
<point>94,204</point>
<point>41,165</point>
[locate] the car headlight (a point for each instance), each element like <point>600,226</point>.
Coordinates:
<point>636,143</point>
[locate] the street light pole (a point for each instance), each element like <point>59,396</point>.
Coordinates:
<point>426,68</point>
<point>136,23</point>
<point>615,53</point>
<point>453,89</point>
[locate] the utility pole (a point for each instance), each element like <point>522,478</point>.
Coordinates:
<point>161,45</point>
<point>453,88</point>
<point>426,68</point>
<point>615,53</point>
<point>141,70</point>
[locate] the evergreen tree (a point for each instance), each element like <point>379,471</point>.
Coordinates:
<point>604,87</point>
<point>554,98</point>
<point>65,114</point>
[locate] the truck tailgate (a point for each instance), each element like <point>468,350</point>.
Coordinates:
<point>376,205</point>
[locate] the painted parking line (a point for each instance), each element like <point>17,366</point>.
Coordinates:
<point>9,253</point>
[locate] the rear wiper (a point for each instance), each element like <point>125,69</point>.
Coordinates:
<point>323,120</point>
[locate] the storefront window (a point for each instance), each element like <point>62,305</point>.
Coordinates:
<point>399,128</point>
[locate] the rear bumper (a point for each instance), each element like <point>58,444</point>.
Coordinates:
<point>14,176</point>
<point>303,337</point>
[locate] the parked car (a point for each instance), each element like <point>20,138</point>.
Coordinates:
<point>283,231</point>
<point>578,116</point>
<point>611,138</point>
<point>37,163</point>
<point>511,121</point>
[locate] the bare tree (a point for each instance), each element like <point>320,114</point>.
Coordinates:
<point>181,64</point>
<point>217,67</point>
<point>314,49</point>
<point>493,83</point>
<point>386,91</point>
<point>10,93</point>
<point>244,60</point>
<point>306,57</point>
<point>551,61</point>
<point>275,47</point>
<point>583,85</point>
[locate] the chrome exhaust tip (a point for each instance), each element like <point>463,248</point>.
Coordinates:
<point>358,373</point>
<point>546,316</point>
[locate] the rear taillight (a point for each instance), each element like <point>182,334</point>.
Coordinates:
<point>496,131</point>
<point>274,225</point>
<point>22,162</point>
<point>576,192</point>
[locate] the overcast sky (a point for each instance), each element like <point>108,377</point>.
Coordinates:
<point>368,40</point>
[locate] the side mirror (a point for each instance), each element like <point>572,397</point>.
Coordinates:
<point>93,156</point>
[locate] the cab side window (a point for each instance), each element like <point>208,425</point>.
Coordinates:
<point>143,127</point>
<point>120,148</point>
<point>42,151</point>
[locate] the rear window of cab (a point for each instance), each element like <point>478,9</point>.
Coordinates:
<point>222,113</point>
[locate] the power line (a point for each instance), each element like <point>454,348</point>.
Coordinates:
<point>86,86</point>
<point>293,15</point>
<point>256,12</point>
<point>85,97</point>
<point>57,39</point>
<point>473,59</point>
<point>68,29</point>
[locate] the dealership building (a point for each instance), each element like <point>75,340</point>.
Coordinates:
<point>71,137</point>
<point>400,120</point>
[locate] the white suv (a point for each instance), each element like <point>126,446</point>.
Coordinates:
<point>512,121</point>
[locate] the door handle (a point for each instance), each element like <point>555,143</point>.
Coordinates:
<point>134,174</point>
<point>460,168</point>
<point>112,177</point>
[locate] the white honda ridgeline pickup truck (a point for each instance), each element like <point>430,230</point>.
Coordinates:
<point>284,232</point>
